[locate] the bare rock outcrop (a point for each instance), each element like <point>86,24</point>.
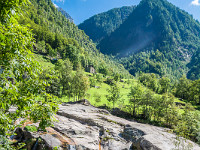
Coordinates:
<point>80,126</point>
<point>93,129</point>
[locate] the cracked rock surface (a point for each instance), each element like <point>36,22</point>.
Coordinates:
<point>84,127</point>
<point>90,128</point>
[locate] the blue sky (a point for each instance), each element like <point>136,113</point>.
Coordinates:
<point>81,10</point>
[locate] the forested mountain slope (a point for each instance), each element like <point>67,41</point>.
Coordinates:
<point>157,37</point>
<point>102,25</point>
<point>194,66</point>
<point>57,37</point>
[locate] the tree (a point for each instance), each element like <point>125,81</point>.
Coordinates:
<point>168,107</point>
<point>150,81</point>
<point>99,78</point>
<point>114,94</point>
<point>135,96</point>
<point>53,81</point>
<point>73,53</point>
<point>188,124</point>
<point>183,88</point>
<point>41,47</point>
<point>158,107</point>
<point>16,59</point>
<point>92,82</point>
<point>117,77</point>
<point>165,84</point>
<point>80,83</point>
<point>65,75</point>
<point>103,69</point>
<point>195,92</point>
<point>147,99</point>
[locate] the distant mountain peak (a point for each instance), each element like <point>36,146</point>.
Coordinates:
<point>101,25</point>
<point>64,13</point>
<point>155,25</point>
<point>152,22</point>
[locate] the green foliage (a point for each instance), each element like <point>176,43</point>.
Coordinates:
<point>53,81</point>
<point>65,75</point>
<point>194,66</point>
<point>41,47</point>
<point>155,83</point>
<point>188,126</point>
<point>135,97</point>
<point>80,83</point>
<point>165,84</point>
<point>114,94</point>
<point>92,82</point>
<point>188,90</point>
<point>31,128</point>
<point>183,87</point>
<point>20,83</point>
<point>117,77</point>
<point>9,8</point>
<point>99,78</point>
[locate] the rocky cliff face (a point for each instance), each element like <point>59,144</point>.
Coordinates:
<point>84,127</point>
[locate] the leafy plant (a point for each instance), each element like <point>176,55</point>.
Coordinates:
<point>20,83</point>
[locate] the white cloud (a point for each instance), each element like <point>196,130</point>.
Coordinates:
<point>55,5</point>
<point>195,2</point>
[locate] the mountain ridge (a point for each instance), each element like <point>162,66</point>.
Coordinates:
<point>155,26</point>
<point>154,15</point>
<point>112,19</point>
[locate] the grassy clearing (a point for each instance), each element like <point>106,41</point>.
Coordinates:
<point>43,61</point>
<point>103,91</point>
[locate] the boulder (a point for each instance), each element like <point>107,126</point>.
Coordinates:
<point>51,141</point>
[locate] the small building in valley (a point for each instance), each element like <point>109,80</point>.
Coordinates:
<point>90,69</point>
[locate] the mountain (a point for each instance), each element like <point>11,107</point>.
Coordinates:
<point>157,37</point>
<point>65,14</point>
<point>103,24</point>
<point>56,37</point>
<point>153,24</point>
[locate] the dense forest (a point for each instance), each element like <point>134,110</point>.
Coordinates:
<point>194,66</point>
<point>102,25</point>
<point>45,56</point>
<point>157,37</point>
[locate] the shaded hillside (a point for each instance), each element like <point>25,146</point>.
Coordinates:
<point>155,25</point>
<point>57,37</point>
<point>102,25</point>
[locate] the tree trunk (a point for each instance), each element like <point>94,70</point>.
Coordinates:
<point>134,110</point>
